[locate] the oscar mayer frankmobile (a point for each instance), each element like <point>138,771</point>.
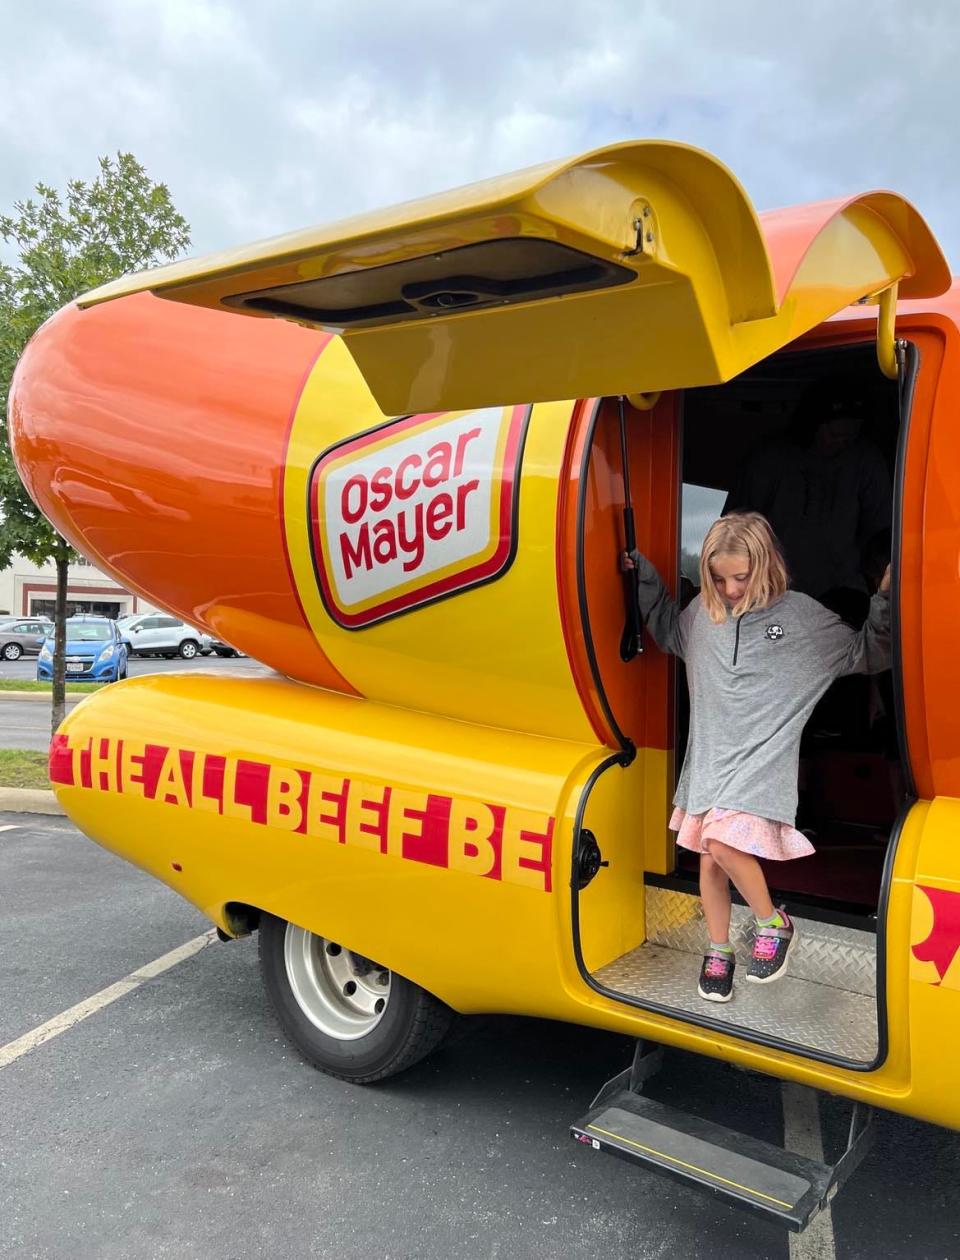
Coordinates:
<point>399,460</point>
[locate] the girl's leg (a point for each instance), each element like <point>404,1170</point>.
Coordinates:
<point>776,933</point>
<point>716,972</point>
<point>746,874</point>
<point>715,895</point>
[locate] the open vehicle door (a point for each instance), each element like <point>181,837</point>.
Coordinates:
<point>637,267</point>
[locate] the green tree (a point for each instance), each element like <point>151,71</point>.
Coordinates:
<point>119,222</point>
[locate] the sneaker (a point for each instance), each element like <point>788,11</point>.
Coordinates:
<point>771,949</point>
<point>716,976</point>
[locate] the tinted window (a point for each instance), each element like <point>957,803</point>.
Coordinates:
<point>167,622</point>
<point>701,506</point>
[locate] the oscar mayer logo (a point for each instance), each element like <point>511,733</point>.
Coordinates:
<point>414,511</point>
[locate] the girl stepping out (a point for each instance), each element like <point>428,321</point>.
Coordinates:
<point>758,658</point>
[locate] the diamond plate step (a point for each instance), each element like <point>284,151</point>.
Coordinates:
<point>840,957</point>
<point>811,1016</point>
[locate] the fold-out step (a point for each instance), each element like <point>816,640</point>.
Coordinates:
<point>743,1170</point>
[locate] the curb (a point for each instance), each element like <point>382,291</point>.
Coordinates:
<point>29,801</point>
<point>71,698</point>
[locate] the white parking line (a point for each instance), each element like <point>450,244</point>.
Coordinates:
<point>68,1019</point>
<point>9,827</point>
<point>801,1134</point>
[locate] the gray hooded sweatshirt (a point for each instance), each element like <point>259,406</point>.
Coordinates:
<point>754,681</point>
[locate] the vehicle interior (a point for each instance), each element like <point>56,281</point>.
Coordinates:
<point>852,781</point>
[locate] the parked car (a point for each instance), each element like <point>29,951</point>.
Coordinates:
<point>224,649</point>
<point>95,651</point>
<point>159,634</point>
<point>23,636</point>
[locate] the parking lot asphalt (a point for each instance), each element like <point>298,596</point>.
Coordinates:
<point>177,1122</point>
<point>26,723</point>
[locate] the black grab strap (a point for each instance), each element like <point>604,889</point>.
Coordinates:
<point>631,641</point>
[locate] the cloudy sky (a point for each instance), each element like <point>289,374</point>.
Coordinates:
<point>263,117</point>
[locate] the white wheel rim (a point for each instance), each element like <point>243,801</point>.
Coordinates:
<point>344,995</point>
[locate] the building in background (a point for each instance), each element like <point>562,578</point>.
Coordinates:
<point>30,590</point>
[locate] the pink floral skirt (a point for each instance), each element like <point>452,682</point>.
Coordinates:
<point>761,837</point>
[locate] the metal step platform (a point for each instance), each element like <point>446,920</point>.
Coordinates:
<point>744,1171</point>
<point>826,1003</point>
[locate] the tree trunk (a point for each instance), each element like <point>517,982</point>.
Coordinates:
<point>62,558</point>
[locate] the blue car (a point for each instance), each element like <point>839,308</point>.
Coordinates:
<point>95,652</point>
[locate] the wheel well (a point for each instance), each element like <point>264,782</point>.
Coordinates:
<point>240,918</point>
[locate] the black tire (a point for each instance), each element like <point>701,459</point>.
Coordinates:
<point>189,649</point>
<point>12,651</point>
<point>413,1023</point>
<point>225,652</point>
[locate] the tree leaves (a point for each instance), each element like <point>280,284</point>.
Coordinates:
<point>119,222</point>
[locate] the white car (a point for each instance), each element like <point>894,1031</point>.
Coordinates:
<point>159,634</point>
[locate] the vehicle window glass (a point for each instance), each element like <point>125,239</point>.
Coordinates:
<point>89,632</point>
<point>700,507</point>
<point>149,623</point>
<point>168,622</point>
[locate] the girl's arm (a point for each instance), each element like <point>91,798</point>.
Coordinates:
<point>661,614</point>
<point>864,651</point>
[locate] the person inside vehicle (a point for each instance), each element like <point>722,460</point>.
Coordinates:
<point>826,491</point>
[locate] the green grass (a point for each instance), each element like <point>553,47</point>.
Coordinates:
<point>23,768</point>
<point>24,684</point>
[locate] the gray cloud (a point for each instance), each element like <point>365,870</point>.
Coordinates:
<point>265,118</point>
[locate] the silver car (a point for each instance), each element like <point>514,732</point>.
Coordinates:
<point>23,636</point>
<point>158,634</point>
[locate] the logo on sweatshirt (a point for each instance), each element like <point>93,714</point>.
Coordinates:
<point>773,633</point>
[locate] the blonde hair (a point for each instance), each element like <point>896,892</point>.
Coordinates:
<point>743,534</point>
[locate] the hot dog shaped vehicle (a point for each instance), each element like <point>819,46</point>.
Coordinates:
<point>385,458</point>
